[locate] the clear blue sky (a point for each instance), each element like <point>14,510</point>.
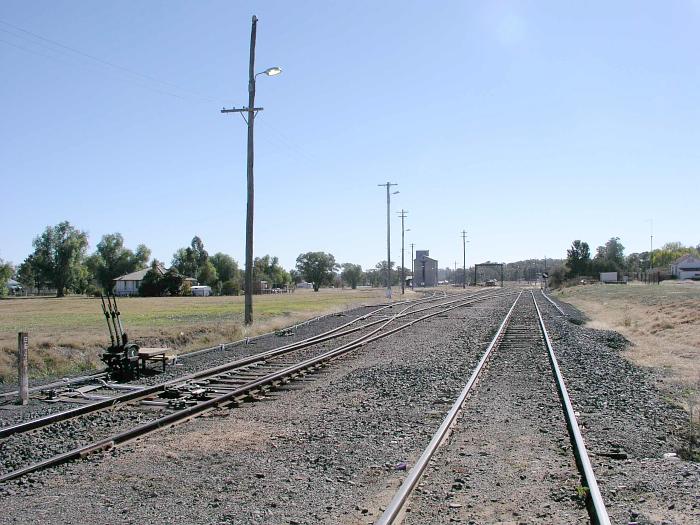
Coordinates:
<point>530,124</point>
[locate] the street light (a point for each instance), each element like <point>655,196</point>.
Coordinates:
<point>252,111</point>
<point>270,71</point>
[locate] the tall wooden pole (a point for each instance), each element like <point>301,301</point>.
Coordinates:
<point>22,366</point>
<point>403,234</point>
<point>464,258</point>
<point>413,267</point>
<point>388,236</point>
<point>250,180</point>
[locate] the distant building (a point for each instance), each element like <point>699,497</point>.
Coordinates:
<point>129,284</point>
<point>425,269</point>
<point>687,267</point>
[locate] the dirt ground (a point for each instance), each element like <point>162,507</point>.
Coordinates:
<point>662,322</point>
<point>67,335</point>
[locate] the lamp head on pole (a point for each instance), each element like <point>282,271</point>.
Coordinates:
<point>271,71</point>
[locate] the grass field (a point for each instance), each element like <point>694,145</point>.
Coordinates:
<point>67,335</point>
<point>662,322</point>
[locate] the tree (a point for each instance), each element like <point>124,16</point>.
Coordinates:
<point>609,258</point>
<point>351,274</point>
<point>111,260</point>
<point>226,266</point>
<point>188,261</point>
<point>230,287</point>
<point>152,284</point>
<point>317,268</point>
<point>28,274</point>
<point>395,276</point>
<point>207,274</point>
<point>58,256</point>
<point>578,258</point>
<point>671,251</point>
<point>6,273</point>
<point>173,282</point>
<point>267,268</point>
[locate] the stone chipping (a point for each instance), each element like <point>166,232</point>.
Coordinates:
<point>334,447</point>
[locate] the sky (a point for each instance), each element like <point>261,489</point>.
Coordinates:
<point>527,124</point>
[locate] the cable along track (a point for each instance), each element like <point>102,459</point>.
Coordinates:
<point>141,413</point>
<point>506,455</point>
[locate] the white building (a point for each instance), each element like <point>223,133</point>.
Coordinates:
<point>687,267</point>
<point>129,284</point>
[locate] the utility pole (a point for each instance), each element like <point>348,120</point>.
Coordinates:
<point>251,111</point>
<point>413,267</point>
<point>388,186</point>
<point>403,215</point>
<point>651,244</point>
<point>464,258</point>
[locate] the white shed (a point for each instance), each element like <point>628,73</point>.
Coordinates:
<point>608,277</point>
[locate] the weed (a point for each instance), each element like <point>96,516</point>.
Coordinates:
<point>582,493</point>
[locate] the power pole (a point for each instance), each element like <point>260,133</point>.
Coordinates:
<point>251,110</point>
<point>651,244</point>
<point>403,215</point>
<point>388,236</point>
<point>413,267</point>
<point>464,260</point>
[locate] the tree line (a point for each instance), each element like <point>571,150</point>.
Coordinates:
<point>611,257</point>
<point>60,262</point>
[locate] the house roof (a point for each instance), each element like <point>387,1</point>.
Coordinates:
<point>688,258</point>
<point>139,275</point>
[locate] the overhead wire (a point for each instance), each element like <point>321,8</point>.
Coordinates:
<point>65,54</point>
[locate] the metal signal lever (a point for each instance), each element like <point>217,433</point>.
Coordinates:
<point>109,326</point>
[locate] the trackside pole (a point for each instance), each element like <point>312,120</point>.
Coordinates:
<point>22,366</point>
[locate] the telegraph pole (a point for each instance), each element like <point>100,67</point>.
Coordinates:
<point>388,235</point>
<point>464,259</point>
<point>651,244</point>
<point>251,111</point>
<point>403,232</point>
<point>413,267</point>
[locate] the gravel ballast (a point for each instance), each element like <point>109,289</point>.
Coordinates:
<point>333,448</point>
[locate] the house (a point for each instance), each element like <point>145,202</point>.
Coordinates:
<point>686,267</point>
<point>14,287</point>
<point>129,284</point>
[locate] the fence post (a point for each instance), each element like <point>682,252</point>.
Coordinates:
<point>22,365</point>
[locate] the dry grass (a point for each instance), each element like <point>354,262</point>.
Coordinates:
<point>67,335</point>
<point>662,322</point>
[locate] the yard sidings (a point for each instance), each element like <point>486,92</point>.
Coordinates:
<point>332,448</point>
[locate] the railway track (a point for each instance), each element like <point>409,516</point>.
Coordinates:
<point>107,423</point>
<point>67,383</point>
<point>503,451</point>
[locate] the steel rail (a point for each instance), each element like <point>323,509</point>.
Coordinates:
<point>553,303</point>
<point>149,391</point>
<point>227,398</point>
<point>84,379</point>
<point>598,513</point>
<point>393,510</point>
